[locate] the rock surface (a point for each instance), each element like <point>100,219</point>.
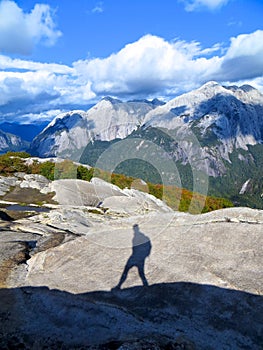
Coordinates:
<point>224,250</point>
<point>61,267</point>
<point>23,180</point>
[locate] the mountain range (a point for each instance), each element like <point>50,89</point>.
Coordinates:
<point>209,139</point>
<point>69,133</point>
<point>230,117</point>
<point>11,142</point>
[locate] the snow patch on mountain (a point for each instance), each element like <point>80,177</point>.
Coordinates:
<point>244,187</point>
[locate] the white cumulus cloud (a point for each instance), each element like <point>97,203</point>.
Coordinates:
<point>9,63</point>
<point>153,65</point>
<point>196,5</point>
<point>28,88</point>
<point>29,118</point>
<point>243,59</point>
<point>147,68</point>
<point>20,32</point>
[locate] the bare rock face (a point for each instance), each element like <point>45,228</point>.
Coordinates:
<point>197,249</point>
<point>69,133</point>
<point>11,142</point>
<point>6,183</point>
<point>101,194</point>
<point>22,180</point>
<point>200,284</point>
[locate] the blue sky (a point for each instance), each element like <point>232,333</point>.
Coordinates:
<point>57,55</point>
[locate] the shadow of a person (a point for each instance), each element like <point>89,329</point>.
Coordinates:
<point>141,248</point>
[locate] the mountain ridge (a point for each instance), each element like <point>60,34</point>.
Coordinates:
<point>11,142</point>
<point>117,120</point>
<point>214,130</point>
<point>210,104</point>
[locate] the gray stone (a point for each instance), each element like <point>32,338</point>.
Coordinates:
<point>59,271</point>
<point>34,181</point>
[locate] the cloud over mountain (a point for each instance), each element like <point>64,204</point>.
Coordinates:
<point>149,67</point>
<point>152,65</point>
<point>146,66</point>
<point>243,59</point>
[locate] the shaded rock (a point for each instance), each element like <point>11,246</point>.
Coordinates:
<point>28,196</point>
<point>25,188</point>
<point>4,216</point>
<point>163,316</point>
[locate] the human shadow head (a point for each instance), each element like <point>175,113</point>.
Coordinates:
<point>139,238</point>
<point>141,249</point>
<point>136,230</point>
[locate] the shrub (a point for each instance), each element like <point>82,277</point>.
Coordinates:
<point>84,173</point>
<point>10,164</point>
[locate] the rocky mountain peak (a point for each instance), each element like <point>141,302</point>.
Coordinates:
<point>111,99</point>
<point>157,102</point>
<point>65,116</point>
<point>211,86</point>
<point>222,118</point>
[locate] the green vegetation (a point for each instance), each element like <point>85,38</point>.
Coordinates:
<point>11,163</point>
<point>208,138</point>
<point>245,164</point>
<point>46,169</point>
<point>84,173</point>
<point>94,150</point>
<point>187,201</point>
<point>65,170</point>
<point>177,198</point>
<point>139,168</point>
<point>18,154</point>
